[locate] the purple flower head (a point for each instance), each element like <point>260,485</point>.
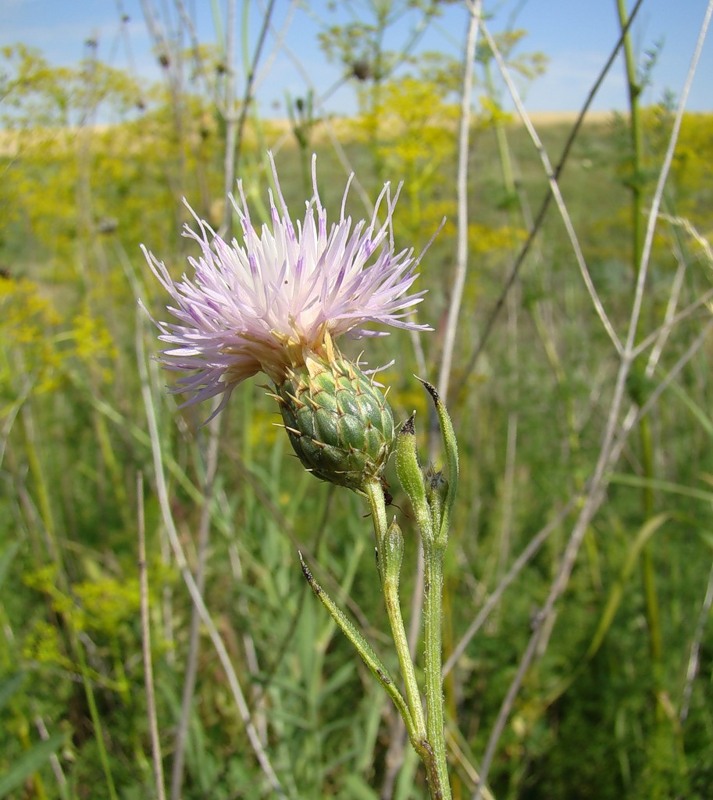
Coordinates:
<point>266,302</point>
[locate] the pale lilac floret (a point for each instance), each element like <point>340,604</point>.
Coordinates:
<point>262,303</point>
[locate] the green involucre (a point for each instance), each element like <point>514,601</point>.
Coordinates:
<point>339,423</point>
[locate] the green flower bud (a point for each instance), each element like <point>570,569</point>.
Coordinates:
<point>411,476</point>
<point>339,423</point>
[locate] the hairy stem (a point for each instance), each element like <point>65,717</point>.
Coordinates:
<point>433,556</point>
<point>375,495</point>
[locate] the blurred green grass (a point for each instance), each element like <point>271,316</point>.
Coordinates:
<point>75,206</point>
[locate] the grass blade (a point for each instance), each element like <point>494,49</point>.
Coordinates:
<point>29,763</point>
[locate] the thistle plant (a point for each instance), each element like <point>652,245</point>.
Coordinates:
<point>277,302</point>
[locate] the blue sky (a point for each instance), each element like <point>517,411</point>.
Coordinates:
<point>576,35</point>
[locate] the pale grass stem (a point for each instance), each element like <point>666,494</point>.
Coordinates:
<point>397,740</point>
<point>662,331</point>
<point>634,414</point>
<point>246,104</point>
<point>230,115</point>
<point>462,759</point>
<point>663,176</point>
<point>671,318</point>
<point>536,224</point>
<point>555,190</point>
<point>55,763</point>
<point>608,451</point>
<point>695,650</point>
<point>146,644</point>
<point>191,671</point>
<point>697,237</point>
<point>518,565</point>
<point>474,24</point>
<point>182,564</point>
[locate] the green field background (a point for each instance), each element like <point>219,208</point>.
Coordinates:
<point>93,451</point>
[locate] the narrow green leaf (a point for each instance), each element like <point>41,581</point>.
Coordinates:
<point>450,445</point>
<point>365,650</point>
<point>356,788</point>
<point>6,559</point>
<point>29,763</point>
<point>663,486</point>
<point>9,687</point>
<point>701,415</point>
<point>617,590</point>
<point>611,607</point>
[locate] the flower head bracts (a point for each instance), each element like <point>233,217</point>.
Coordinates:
<point>283,292</point>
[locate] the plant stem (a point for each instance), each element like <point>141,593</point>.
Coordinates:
<point>365,650</point>
<point>433,556</point>
<point>653,615</point>
<point>375,494</point>
<point>146,645</point>
<point>430,742</point>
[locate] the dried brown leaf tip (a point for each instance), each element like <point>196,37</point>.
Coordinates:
<point>409,426</point>
<point>431,389</point>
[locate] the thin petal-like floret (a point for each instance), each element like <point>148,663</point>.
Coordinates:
<point>259,304</point>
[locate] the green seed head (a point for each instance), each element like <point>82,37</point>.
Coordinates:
<point>339,423</point>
